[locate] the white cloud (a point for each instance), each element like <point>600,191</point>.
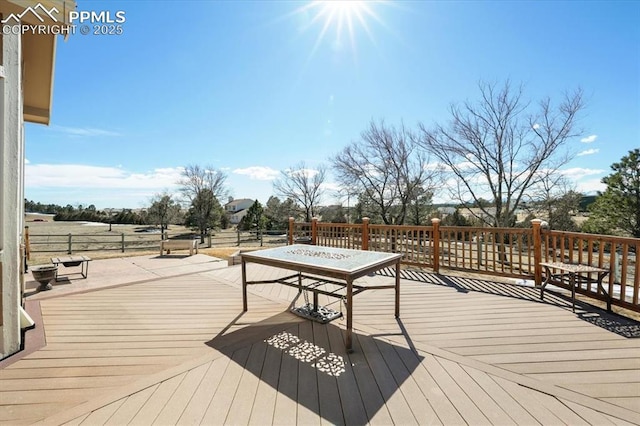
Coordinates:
<point>577,173</point>
<point>536,126</point>
<point>590,186</point>
<point>465,165</point>
<point>589,139</point>
<point>333,188</point>
<point>588,152</point>
<point>84,131</point>
<point>310,173</point>
<point>435,166</point>
<point>258,172</point>
<point>97,177</point>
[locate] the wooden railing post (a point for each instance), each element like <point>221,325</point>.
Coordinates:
<point>537,251</point>
<point>435,222</point>
<point>314,230</point>
<point>123,242</point>
<point>291,222</point>
<point>69,244</point>
<point>365,233</point>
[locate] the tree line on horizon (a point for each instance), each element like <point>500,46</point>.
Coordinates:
<point>495,157</point>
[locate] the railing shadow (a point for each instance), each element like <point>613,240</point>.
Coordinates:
<point>612,322</point>
<point>615,323</point>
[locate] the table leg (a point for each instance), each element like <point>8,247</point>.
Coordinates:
<point>349,343</point>
<point>244,286</point>
<point>547,278</point>
<point>601,276</point>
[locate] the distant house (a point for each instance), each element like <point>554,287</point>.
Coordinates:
<point>475,213</point>
<point>27,62</point>
<point>445,211</point>
<point>237,209</point>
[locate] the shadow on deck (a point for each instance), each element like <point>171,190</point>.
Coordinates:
<point>612,322</point>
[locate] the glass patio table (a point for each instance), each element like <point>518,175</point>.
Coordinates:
<point>326,265</point>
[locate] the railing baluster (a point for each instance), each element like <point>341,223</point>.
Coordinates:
<point>623,270</point>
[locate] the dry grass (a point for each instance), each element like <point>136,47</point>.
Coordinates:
<point>52,236</point>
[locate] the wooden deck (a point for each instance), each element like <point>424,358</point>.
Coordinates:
<point>179,351</point>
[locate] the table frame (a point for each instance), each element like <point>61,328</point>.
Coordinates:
<point>84,264</point>
<point>573,270</point>
<point>346,281</point>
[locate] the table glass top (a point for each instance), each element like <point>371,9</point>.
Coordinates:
<point>323,257</point>
<point>573,267</point>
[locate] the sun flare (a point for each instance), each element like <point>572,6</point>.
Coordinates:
<point>340,20</point>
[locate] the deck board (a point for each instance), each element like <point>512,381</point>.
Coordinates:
<point>374,405</point>
<point>102,415</point>
<point>174,408</point>
<point>155,403</point>
<point>470,351</point>
<point>353,408</point>
<point>266,393</point>
<point>395,402</point>
<point>222,399</point>
<point>240,410</point>
<point>490,409</point>
<point>130,407</point>
<point>506,401</point>
<point>308,398</point>
<point>286,408</point>
<point>329,394</point>
<point>461,401</point>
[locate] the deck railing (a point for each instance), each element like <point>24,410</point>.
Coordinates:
<point>507,252</point>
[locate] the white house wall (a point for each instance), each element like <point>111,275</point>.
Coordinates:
<point>11,201</point>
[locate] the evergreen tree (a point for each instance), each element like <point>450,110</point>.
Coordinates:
<point>616,211</point>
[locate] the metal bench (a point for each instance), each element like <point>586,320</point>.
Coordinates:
<point>71,261</point>
<point>573,271</point>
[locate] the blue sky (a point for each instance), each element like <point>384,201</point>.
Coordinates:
<point>255,87</point>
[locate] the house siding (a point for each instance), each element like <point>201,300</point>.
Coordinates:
<point>11,195</point>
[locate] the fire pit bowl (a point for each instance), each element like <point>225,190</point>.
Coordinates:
<point>72,263</point>
<point>44,274</point>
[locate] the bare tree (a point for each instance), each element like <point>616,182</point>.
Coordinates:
<point>163,210</point>
<point>202,187</point>
<point>387,168</point>
<point>554,199</point>
<point>195,178</point>
<point>495,148</point>
<point>303,186</point>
